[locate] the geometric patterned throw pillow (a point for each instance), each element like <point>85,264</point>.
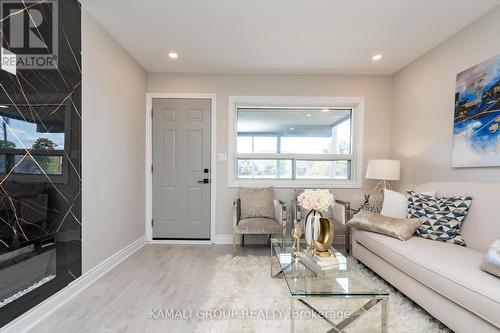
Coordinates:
<point>444,216</point>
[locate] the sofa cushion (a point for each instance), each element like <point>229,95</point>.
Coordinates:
<point>451,270</point>
<point>257,202</point>
<point>402,229</point>
<point>491,261</point>
<point>480,228</point>
<point>444,216</point>
<point>395,205</point>
<point>259,225</point>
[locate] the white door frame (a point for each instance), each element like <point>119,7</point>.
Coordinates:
<point>149,162</point>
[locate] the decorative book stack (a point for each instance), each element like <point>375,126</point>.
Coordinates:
<point>318,263</point>
<point>326,263</point>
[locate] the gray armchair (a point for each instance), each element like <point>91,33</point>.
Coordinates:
<point>339,214</point>
<point>258,225</point>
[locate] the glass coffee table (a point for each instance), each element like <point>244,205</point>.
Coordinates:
<point>305,282</point>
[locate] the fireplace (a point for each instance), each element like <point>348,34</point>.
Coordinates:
<point>40,155</point>
<point>26,267</point>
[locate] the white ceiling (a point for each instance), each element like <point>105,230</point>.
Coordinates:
<point>282,36</point>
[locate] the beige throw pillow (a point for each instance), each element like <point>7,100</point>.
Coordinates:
<point>401,229</point>
<point>257,202</point>
<point>491,261</point>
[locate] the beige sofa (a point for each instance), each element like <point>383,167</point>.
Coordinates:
<point>443,278</point>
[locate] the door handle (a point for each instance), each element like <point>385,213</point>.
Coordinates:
<point>204,181</point>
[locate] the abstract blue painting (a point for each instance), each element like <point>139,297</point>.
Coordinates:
<point>476,125</point>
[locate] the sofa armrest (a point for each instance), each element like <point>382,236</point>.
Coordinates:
<point>342,214</point>
<point>280,214</point>
<point>341,211</point>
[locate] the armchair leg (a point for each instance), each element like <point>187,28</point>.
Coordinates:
<point>269,240</point>
<point>348,240</point>
<point>234,244</point>
<point>242,240</point>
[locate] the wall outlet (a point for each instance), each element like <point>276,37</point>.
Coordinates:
<point>221,157</point>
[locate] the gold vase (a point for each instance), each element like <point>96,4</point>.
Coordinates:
<point>324,241</point>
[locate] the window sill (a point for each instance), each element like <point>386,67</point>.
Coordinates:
<point>287,183</point>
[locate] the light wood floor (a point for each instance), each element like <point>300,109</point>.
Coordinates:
<point>158,277</point>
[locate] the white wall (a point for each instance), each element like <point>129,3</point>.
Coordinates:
<point>408,117</point>
<point>376,89</point>
<point>113,140</point>
<point>424,94</point>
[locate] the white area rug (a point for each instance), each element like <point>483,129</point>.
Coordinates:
<point>244,298</point>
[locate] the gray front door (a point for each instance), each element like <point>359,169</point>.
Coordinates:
<point>181,162</point>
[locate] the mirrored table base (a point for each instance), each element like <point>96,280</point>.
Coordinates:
<point>279,269</point>
<point>348,320</point>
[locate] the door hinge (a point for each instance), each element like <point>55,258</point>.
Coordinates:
<point>151,168</point>
<point>151,113</point>
<point>152,223</point>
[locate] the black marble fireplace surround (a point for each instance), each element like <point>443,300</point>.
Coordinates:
<point>40,152</point>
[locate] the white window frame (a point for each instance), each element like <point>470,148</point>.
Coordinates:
<point>356,104</point>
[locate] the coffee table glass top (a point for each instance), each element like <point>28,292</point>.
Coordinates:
<point>304,280</point>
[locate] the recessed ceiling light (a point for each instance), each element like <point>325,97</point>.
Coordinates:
<point>377,57</point>
<point>173,55</point>
<point>3,106</point>
<point>292,128</point>
<point>325,110</point>
<point>308,115</point>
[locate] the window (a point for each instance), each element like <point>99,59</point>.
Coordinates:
<point>295,141</point>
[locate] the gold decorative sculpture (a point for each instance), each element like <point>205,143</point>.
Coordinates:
<point>323,242</point>
<point>296,234</point>
<point>318,230</point>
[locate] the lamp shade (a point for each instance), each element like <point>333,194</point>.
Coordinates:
<point>383,169</point>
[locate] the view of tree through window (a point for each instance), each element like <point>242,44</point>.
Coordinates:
<point>35,165</point>
<point>44,140</point>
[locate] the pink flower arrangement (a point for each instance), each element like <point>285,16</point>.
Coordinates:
<point>318,200</point>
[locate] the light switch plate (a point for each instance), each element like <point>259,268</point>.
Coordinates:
<point>221,157</point>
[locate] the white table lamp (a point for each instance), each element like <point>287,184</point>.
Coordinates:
<point>383,171</point>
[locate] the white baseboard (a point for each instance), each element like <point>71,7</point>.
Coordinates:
<point>180,242</point>
<point>35,315</point>
<point>219,239</point>
<point>224,239</point>
<point>249,239</point>
<point>228,239</point>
